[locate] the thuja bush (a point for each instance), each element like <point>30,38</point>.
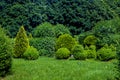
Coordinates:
<point>66,41</point>
<point>21,43</point>
<point>45,46</point>
<point>5,54</point>
<point>44,30</point>
<point>79,53</point>
<point>60,30</point>
<point>62,53</point>
<point>31,53</point>
<point>106,53</point>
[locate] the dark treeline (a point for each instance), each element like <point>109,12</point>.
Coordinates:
<point>78,15</point>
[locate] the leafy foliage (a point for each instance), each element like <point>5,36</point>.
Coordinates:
<point>45,46</point>
<point>21,43</point>
<point>90,40</point>
<point>62,53</point>
<point>31,53</point>
<point>66,41</point>
<point>44,30</point>
<point>79,53</point>
<point>5,54</point>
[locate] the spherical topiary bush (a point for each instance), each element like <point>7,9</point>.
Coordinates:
<point>60,30</point>
<point>90,40</point>
<point>21,43</point>
<point>62,53</point>
<point>44,30</point>
<point>105,54</point>
<point>66,41</point>
<point>31,53</point>
<point>5,54</point>
<point>79,53</point>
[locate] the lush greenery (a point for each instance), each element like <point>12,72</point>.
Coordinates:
<point>31,53</point>
<point>5,54</point>
<point>21,43</point>
<point>49,68</point>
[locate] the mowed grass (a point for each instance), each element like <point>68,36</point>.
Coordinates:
<point>51,69</point>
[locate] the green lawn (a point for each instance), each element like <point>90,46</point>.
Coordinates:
<point>51,69</point>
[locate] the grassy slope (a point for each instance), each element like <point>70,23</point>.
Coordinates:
<point>51,69</point>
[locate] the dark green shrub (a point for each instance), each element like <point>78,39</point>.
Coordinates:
<point>60,30</point>
<point>31,53</point>
<point>21,43</point>
<point>78,52</point>
<point>62,53</point>
<point>5,54</point>
<point>44,30</point>
<point>91,51</point>
<point>90,40</point>
<point>105,54</point>
<point>45,46</point>
<point>66,41</point>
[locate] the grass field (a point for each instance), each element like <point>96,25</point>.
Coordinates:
<point>51,69</point>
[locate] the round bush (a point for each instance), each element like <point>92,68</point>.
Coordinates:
<point>90,40</point>
<point>5,54</point>
<point>105,54</point>
<point>45,46</point>
<point>31,53</point>
<point>79,52</point>
<point>66,41</point>
<point>44,30</point>
<point>60,30</point>
<point>62,53</point>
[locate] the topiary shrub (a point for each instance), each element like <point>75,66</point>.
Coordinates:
<point>62,53</point>
<point>60,30</point>
<point>79,53</point>
<point>105,54</point>
<point>91,51</point>
<point>31,53</point>
<point>66,41</point>
<point>5,54</point>
<point>90,40</point>
<point>21,43</point>
<point>45,46</point>
<point>44,30</point>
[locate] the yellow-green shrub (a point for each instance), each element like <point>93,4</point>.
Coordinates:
<point>62,53</point>
<point>90,40</point>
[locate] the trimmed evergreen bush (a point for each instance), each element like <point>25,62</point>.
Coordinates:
<point>44,30</point>
<point>31,53</point>
<point>60,29</point>
<point>105,54</point>
<point>62,53</point>
<point>45,46</point>
<point>5,54</point>
<point>79,53</point>
<point>66,41</point>
<point>21,43</point>
<point>90,40</point>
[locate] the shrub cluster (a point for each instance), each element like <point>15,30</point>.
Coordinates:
<point>31,53</point>
<point>62,53</point>
<point>5,54</point>
<point>90,40</point>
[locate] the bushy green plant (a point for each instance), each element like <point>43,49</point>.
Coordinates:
<point>91,51</point>
<point>60,30</point>
<point>21,43</point>
<point>78,52</point>
<point>5,54</point>
<point>62,53</point>
<point>44,30</point>
<point>45,46</point>
<point>66,41</point>
<point>90,40</point>
<point>105,54</point>
<point>31,53</point>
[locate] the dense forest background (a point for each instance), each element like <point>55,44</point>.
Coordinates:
<point>78,15</point>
